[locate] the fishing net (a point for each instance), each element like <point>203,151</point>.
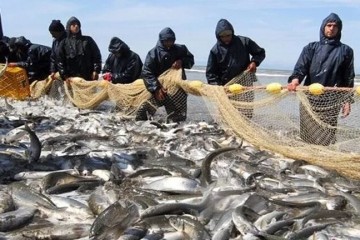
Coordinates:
<point>304,125</point>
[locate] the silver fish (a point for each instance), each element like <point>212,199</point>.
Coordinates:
<point>223,227</point>
<point>14,219</point>
<point>8,106</point>
<point>34,151</point>
<point>98,201</point>
<point>193,228</point>
<point>65,231</point>
<point>206,163</point>
<point>72,206</point>
<point>6,202</point>
<point>120,215</point>
<point>23,195</point>
<point>307,232</point>
<point>242,224</point>
<point>175,185</point>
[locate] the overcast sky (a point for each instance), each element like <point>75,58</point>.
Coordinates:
<point>282,27</point>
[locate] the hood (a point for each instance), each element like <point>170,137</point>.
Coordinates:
<point>221,26</point>
<point>56,26</point>
<point>73,20</point>
<point>22,43</point>
<point>333,17</point>
<point>167,34</point>
<point>118,46</point>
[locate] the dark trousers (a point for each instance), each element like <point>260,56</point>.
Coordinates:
<point>175,106</point>
<point>247,80</point>
<point>323,131</point>
<point>247,96</point>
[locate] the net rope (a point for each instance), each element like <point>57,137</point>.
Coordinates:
<point>300,125</point>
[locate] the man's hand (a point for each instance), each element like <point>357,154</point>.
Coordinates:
<point>292,86</point>
<point>160,94</point>
<point>52,75</point>
<point>252,67</point>
<point>177,64</point>
<point>346,109</point>
<point>68,81</point>
<point>94,76</point>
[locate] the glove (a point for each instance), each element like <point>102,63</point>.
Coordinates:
<point>107,76</point>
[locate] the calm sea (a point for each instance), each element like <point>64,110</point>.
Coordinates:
<point>264,76</point>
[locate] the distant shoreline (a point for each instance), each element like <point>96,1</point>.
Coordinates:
<point>264,72</point>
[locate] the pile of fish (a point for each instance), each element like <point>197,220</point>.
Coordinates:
<point>67,173</point>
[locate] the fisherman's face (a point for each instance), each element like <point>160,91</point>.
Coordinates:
<point>331,30</point>
<point>226,39</point>
<point>168,43</point>
<point>74,28</point>
<point>56,35</point>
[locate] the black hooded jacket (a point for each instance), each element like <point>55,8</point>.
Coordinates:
<point>227,61</point>
<point>36,61</point>
<point>79,54</point>
<point>8,52</point>
<point>55,56</point>
<point>328,61</point>
<point>159,59</point>
<point>123,64</point>
<point>4,49</point>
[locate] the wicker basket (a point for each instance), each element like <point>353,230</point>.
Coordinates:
<point>14,84</point>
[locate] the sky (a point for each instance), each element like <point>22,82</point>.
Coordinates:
<point>281,27</point>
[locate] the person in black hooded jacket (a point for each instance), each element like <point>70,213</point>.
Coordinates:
<point>122,65</point>
<point>35,60</point>
<point>4,50</point>
<point>15,55</point>
<point>165,55</point>
<point>79,54</point>
<point>330,63</point>
<point>230,56</point>
<point>57,31</point>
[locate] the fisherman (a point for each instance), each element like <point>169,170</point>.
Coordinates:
<point>165,55</point>
<point>15,55</point>
<point>34,58</point>
<point>57,31</point>
<point>330,63</point>
<point>79,54</point>
<point>4,50</point>
<point>122,65</point>
<point>230,56</point>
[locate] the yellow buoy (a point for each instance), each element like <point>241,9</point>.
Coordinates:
<point>196,84</point>
<point>358,90</point>
<point>274,88</point>
<point>138,82</point>
<point>236,88</point>
<point>316,89</point>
